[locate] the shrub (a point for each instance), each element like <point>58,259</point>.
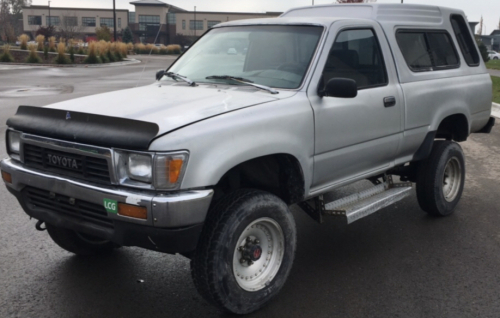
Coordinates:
<point>152,49</point>
<point>6,57</point>
<point>174,49</point>
<point>33,56</point>
<point>103,33</point>
<point>484,51</point>
<point>122,49</point>
<point>46,52</point>
<point>127,35</point>
<point>130,47</point>
<point>163,50</point>
<point>140,48</point>
<point>61,54</point>
<point>71,50</point>
<point>52,44</point>
<point>92,54</point>
<point>40,40</point>
<point>23,39</point>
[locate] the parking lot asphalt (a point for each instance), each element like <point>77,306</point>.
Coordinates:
<point>398,262</point>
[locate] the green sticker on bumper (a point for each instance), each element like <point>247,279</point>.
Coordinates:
<point>111,206</point>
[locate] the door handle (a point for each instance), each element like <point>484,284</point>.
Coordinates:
<point>390,101</point>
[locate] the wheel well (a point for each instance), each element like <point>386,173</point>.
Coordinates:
<point>279,174</point>
<point>454,127</point>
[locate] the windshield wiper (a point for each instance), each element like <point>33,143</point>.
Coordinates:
<point>229,78</point>
<point>244,81</point>
<point>176,76</point>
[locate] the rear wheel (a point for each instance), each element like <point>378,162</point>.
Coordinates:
<point>245,252</point>
<point>79,243</point>
<point>441,177</point>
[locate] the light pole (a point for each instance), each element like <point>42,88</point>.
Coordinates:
<point>114,17</point>
<point>194,21</point>
<point>50,22</point>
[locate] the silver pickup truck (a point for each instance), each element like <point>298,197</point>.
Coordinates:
<point>256,116</point>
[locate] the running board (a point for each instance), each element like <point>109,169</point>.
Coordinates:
<point>361,204</point>
<point>355,210</point>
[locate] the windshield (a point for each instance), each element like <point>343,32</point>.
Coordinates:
<point>274,56</point>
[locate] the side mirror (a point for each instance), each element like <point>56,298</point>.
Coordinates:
<point>160,74</point>
<point>341,88</point>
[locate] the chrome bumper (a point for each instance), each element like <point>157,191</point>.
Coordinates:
<point>164,210</point>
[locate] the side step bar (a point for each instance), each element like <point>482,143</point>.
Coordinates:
<point>361,204</point>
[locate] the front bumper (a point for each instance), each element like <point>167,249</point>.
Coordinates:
<point>173,223</point>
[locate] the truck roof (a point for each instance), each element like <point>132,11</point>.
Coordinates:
<point>385,14</point>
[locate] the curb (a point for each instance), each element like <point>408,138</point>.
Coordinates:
<point>495,110</point>
<point>124,62</point>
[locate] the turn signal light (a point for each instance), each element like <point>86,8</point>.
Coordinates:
<point>7,177</point>
<point>132,211</point>
<point>174,170</point>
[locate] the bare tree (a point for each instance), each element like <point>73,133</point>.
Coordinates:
<point>355,1</point>
<point>7,32</point>
<point>480,30</point>
<point>69,28</point>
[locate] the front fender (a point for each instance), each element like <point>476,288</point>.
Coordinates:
<point>220,143</point>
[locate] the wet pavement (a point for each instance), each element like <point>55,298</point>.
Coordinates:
<point>398,262</point>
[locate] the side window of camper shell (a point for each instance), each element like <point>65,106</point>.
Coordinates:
<point>465,40</point>
<point>428,50</point>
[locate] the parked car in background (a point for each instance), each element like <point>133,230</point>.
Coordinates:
<point>494,55</point>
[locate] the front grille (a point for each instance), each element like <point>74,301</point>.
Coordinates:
<point>77,166</point>
<point>79,209</point>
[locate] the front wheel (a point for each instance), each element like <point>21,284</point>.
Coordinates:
<point>245,252</point>
<point>441,177</point>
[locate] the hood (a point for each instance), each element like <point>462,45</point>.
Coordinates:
<point>171,106</point>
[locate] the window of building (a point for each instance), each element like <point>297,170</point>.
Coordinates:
<point>427,50</point>
<point>172,18</point>
<point>196,25</point>
<point>119,22</point>
<point>35,20</point>
<point>131,17</point>
<point>109,22</point>
<point>148,21</point>
<point>211,24</point>
<point>88,22</point>
<point>184,24</point>
<point>70,21</point>
<point>465,40</point>
<point>53,21</point>
<point>356,55</point>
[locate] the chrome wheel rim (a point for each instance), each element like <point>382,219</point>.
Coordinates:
<point>265,235</point>
<point>452,178</point>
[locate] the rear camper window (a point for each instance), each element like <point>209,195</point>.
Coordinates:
<point>427,50</point>
<point>465,40</point>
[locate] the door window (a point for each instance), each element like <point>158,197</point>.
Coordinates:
<point>356,55</point>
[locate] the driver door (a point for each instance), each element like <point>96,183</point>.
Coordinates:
<point>355,137</point>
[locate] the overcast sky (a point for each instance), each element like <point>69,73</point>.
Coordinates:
<point>489,9</point>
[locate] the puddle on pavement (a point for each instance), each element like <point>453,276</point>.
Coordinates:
<point>40,90</point>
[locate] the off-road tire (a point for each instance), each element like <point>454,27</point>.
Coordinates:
<point>431,179</point>
<point>76,243</point>
<point>212,262</point>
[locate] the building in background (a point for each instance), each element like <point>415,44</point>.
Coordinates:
<point>72,22</point>
<point>153,21</point>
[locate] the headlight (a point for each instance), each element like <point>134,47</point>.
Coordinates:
<point>169,170</point>
<point>163,171</point>
<point>134,169</point>
<point>13,143</point>
<point>140,167</point>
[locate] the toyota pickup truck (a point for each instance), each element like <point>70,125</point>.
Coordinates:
<point>206,161</point>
